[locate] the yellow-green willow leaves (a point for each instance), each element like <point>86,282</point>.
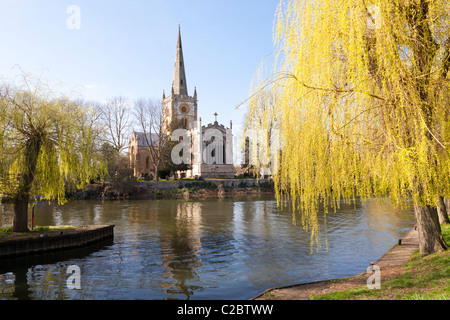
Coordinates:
<point>47,144</point>
<point>362,101</point>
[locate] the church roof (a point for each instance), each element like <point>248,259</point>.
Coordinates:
<point>151,137</point>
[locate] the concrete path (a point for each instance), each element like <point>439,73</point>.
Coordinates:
<point>400,253</point>
<point>390,265</point>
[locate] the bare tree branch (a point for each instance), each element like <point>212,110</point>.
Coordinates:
<point>115,116</point>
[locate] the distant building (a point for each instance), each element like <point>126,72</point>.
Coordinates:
<point>140,157</point>
<point>212,145</point>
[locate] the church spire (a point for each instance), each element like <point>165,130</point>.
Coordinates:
<point>179,76</point>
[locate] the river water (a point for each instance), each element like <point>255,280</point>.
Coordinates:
<point>212,249</point>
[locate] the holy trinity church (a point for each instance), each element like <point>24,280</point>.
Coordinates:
<point>211,146</point>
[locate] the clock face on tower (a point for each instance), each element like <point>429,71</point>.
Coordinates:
<point>184,108</point>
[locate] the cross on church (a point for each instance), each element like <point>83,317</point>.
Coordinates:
<point>205,156</point>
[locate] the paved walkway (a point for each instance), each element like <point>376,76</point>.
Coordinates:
<point>390,265</point>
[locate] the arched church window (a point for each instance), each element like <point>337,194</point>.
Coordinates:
<point>185,123</point>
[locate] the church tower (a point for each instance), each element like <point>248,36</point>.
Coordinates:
<point>179,105</point>
<point>211,145</point>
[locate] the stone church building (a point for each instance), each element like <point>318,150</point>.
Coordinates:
<point>211,146</point>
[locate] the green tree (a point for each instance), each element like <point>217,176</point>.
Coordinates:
<point>47,145</point>
<point>167,166</point>
<point>118,171</point>
<point>362,95</point>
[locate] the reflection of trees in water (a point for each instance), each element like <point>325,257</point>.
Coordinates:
<point>48,282</point>
<point>217,236</point>
<point>191,241</point>
<point>386,221</point>
<point>263,237</point>
<point>7,287</point>
<point>43,277</point>
<point>383,215</point>
<point>42,282</point>
<point>261,227</point>
<point>180,246</point>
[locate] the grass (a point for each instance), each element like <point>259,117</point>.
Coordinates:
<point>53,228</point>
<point>424,278</point>
<point>6,229</point>
<point>268,295</point>
<point>6,233</point>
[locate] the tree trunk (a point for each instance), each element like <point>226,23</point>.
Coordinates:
<point>22,196</point>
<point>447,205</point>
<point>430,234</point>
<point>20,223</point>
<point>442,211</point>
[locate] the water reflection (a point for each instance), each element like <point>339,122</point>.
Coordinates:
<point>223,249</point>
<point>180,247</point>
<point>42,276</point>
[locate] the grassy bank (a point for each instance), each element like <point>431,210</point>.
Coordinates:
<point>424,278</point>
<point>7,233</point>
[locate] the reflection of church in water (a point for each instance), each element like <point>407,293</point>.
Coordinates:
<point>181,252</point>
<point>186,247</point>
<point>211,145</point>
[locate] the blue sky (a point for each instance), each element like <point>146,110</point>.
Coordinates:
<point>128,47</point>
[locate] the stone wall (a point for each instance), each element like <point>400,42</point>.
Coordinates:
<point>68,240</point>
<point>217,171</point>
<point>169,185</point>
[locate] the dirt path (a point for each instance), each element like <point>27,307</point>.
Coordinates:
<point>390,266</point>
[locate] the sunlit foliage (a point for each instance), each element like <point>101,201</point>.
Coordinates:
<point>362,102</point>
<point>47,142</point>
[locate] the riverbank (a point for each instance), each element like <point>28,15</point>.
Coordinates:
<point>177,189</point>
<point>14,244</point>
<point>404,274</point>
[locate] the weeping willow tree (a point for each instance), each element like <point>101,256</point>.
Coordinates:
<point>47,146</point>
<point>363,110</point>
